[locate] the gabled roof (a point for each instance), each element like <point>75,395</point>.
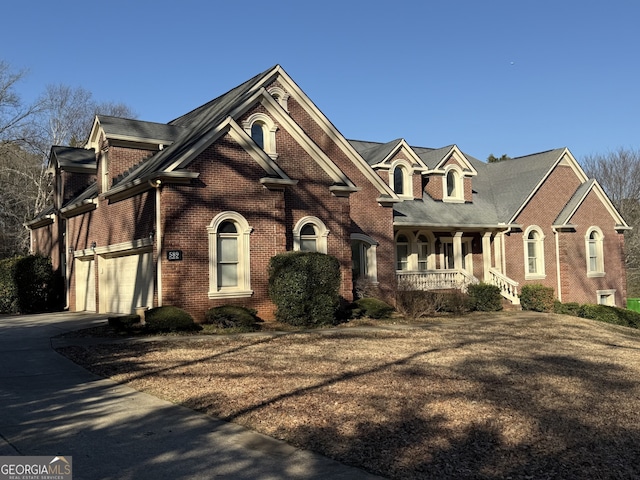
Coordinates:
<point>579,196</point>
<point>515,181</point>
<point>137,130</point>
<point>73,159</point>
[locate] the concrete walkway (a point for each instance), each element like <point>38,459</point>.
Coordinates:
<point>51,406</point>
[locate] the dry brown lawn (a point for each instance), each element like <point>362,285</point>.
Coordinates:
<point>516,395</point>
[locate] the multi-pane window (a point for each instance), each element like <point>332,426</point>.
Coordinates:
<point>227,255</point>
<point>423,252</point>
<point>229,272</point>
<point>402,252</point>
<point>534,253</point>
<point>594,252</point>
<point>308,238</point>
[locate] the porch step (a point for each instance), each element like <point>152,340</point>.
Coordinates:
<point>510,307</point>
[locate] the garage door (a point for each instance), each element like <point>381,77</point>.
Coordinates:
<point>85,284</point>
<point>126,282</point>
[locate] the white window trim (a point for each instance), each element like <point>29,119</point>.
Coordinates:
<point>431,252</point>
<point>243,289</point>
<point>372,258</point>
<point>541,273</point>
<point>458,196</point>
<point>321,229</point>
<point>269,132</point>
<point>104,171</point>
<point>599,272</point>
<point>411,257</point>
<point>407,183</point>
<point>283,96</point>
<point>608,293</point>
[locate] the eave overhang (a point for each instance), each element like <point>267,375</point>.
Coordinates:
<point>78,208</point>
<point>146,182</point>
<point>40,222</point>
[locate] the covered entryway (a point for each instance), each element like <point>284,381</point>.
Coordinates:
<point>85,284</point>
<point>126,281</point>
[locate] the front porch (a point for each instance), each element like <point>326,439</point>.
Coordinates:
<point>434,260</point>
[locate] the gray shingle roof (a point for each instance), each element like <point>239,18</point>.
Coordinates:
<point>578,196</point>
<point>150,131</point>
<point>194,125</point>
<point>71,157</point>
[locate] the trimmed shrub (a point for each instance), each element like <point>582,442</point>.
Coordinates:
<point>231,316</point>
<point>124,323</point>
<point>169,319</point>
<point>485,297</point>
<point>614,315</point>
<point>305,287</point>
<point>415,304</point>
<point>29,285</point>
<point>457,302</point>
<point>537,297</point>
<point>373,308</point>
<point>570,308</point>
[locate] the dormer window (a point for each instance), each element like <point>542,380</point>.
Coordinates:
<point>280,96</point>
<point>400,179</point>
<point>262,130</point>
<point>453,185</point>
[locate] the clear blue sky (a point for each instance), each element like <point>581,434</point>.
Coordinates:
<point>514,77</point>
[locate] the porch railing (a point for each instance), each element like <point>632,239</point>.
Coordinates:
<point>435,280</point>
<point>508,287</point>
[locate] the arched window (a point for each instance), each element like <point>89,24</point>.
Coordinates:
<point>400,178</point>
<point>534,253</point>
<point>262,130</point>
<point>594,252</point>
<point>280,96</point>
<point>310,235</point>
<point>453,190</point>
<point>257,133</point>
<point>229,273</point>
<point>402,252</point>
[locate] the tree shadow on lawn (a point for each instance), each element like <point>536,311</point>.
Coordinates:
<point>519,414</point>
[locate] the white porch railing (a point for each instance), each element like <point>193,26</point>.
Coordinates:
<point>435,280</point>
<point>508,287</point>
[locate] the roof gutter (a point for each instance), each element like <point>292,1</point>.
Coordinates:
<point>146,182</point>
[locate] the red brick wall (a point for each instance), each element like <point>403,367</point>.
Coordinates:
<point>367,216</point>
<point>542,210</point>
<point>121,159</point>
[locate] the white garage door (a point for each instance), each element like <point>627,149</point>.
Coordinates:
<point>85,284</point>
<point>126,282</point>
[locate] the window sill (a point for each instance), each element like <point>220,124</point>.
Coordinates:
<point>528,276</point>
<point>231,294</point>
<point>595,274</point>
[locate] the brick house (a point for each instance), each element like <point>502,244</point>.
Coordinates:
<point>190,212</point>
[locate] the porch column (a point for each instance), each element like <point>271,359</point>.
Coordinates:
<point>457,250</point>
<point>497,251</point>
<point>486,255</point>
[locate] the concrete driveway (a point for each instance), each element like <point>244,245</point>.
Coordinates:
<point>51,406</point>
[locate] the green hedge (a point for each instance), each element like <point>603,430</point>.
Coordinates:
<point>485,297</point>
<point>614,315</point>
<point>305,287</point>
<point>372,308</point>
<point>231,316</point>
<point>169,319</point>
<point>29,285</point>
<point>537,297</point>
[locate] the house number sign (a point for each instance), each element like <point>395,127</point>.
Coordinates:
<point>174,255</point>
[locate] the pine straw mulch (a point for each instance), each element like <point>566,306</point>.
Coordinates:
<point>516,395</point>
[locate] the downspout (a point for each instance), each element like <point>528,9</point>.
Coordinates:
<point>556,234</point>
<point>504,257</point>
<point>157,184</point>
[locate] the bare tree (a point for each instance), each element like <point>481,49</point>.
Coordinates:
<point>61,116</point>
<point>618,172</point>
